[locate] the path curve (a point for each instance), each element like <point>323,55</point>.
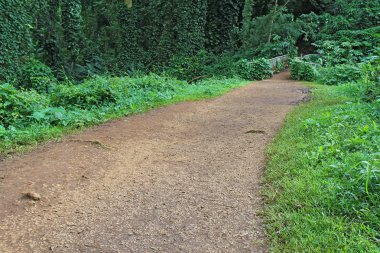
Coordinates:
<point>183,178</point>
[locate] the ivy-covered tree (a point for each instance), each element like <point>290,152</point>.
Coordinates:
<point>154,31</point>
<point>223,21</point>
<point>190,25</point>
<point>72,29</point>
<point>85,37</point>
<point>247,19</point>
<point>129,50</point>
<point>15,38</point>
<point>46,31</point>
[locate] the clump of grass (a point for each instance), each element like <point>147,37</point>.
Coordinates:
<point>323,177</point>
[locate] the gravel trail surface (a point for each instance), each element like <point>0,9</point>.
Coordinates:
<point>182,178</point>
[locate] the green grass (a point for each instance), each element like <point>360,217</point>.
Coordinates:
<point>323,179</point>
<point>53,122</point>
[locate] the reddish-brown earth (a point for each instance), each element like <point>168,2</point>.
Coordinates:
<point>183,178</point>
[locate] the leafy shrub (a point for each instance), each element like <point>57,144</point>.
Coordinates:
<point>339,74</point>
<point>186,67</point>
<point>279,66</point>
<point>202,65</point>
<point>221,65</point>
<point>372,80</point>
<point>153,82</point>
<point>28,117</point>
<point>347,47</point>
<point>336,38</point>
<point>36,75</point>
<point>60,116</point>
<point>312,58</point>
<point>77,105</point>
<point>280,46</point>
<point>17,107</point>
<point>301,70</point>
<point>94,92</point>
<point>271,35</point>
<point>338,52</point>
<point>51,115</point>
<point>208,65</point>
<point>256,69</point>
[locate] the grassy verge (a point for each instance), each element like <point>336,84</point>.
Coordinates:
<point>77,108</point>
<point>323,177</point>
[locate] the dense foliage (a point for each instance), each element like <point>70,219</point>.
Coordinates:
<point>80,38</point>
<point>323,176</point>
<point>301,70</point>
<point>28,117</point>
<point>332,181</point>
<point>205,65</point>
<point>65,64</point>
<point>257,69</point>
<point>15,37</point>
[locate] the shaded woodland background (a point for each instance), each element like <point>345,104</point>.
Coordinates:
<point>79,38</point>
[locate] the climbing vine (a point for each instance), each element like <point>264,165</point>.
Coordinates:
<point>15,38</point>
<point>72,29</point>
<point>190,23</point>
<point>247,19</point>
<point>223,18</point>
<point>80,38</point>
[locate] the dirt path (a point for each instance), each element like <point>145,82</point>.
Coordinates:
<point>184,178</point>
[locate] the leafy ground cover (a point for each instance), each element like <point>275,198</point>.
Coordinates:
<point>28,117</point>
<point>323,177</point>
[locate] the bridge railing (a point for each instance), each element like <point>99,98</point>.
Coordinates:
<point>283,59</point>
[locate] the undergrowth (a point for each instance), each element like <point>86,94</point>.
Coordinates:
<point>323,176</point>
<point>28,118</point>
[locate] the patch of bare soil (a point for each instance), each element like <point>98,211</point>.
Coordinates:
<point>183,178</point>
